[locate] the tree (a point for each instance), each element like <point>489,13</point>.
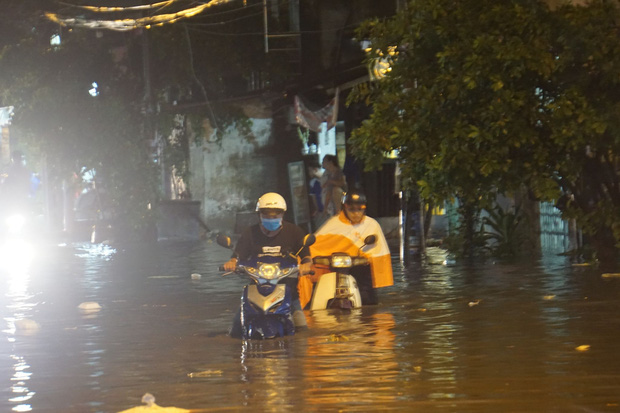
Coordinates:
<point>58,120</point>
<point>483,97</point>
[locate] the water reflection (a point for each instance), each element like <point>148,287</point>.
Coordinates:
<point>16,256</point>
<point>19,388</point>
<point>19,306</point>
<point>350,359</point>
<point>267,367</point>
<point>485,338</point>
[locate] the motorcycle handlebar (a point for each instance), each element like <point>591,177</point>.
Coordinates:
<point>226,272</point>
<point>322,260</point>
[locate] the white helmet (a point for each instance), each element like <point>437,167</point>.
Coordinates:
<point>271,200</point>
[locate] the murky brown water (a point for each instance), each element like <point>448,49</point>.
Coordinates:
<point>495,338</point>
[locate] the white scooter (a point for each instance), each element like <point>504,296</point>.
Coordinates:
<point>338,288</point>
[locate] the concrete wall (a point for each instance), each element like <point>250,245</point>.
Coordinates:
<point>177,220</point>
<point>227,177</point>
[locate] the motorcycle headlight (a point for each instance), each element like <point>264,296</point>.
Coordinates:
<point>341,261</point>
<point>269,271</point>
<point>15,223</point>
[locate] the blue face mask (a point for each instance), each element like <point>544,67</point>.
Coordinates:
<point>271,224</point>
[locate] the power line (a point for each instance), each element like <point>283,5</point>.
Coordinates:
<point>202,87</point>
<point>195,27</point>
<point>225,22</point>
<point>167,18</point>
<point>131,24</point>
<point>105,9</point>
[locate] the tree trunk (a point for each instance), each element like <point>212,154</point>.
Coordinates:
<point>428,218</point>
<point>604,242</point>
<point>469,213</point>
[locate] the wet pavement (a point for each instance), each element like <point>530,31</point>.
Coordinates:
<point>531,337</point>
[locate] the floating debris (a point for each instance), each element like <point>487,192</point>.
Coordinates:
<point>26,326</point>
<point>611,275</point>
<point>89,307</point>
<point>337,337</point>
<point>584,347</point>
<point>149,400</point>
<point>196,276</point>
<point>549,297</point>
<point>205,373</point>
<point>474,303</point>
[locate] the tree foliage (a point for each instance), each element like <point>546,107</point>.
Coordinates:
<point>484,97</point>
<point>57,120</point>
<point>195,63</point>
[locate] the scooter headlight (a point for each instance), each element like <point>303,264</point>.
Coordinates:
<point>15,223</point>
<point>269,271</point>
<point>341,261</point>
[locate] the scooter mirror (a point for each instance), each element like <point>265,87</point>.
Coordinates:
<point>369,240</point>
<point>309,240</point>
<point>224,241</point>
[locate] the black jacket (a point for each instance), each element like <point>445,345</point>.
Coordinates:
<point>254,243</point>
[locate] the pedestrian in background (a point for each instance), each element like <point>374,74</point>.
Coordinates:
<point>315,192</point>
<point>334,184</point>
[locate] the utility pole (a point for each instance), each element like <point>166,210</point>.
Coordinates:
<point>149,131</point>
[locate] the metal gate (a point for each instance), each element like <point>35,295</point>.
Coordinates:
<point>555,233</point>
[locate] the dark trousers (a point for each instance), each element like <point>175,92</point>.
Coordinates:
<point>363,277</point>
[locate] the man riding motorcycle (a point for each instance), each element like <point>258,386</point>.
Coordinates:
<point>273,237</point>
<point>346,233</point>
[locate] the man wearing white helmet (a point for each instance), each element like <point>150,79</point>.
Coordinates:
<point>274,236</point>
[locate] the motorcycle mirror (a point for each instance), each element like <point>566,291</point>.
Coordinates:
<point>369,240</point>
<point>309,240</point>
<point>224,241</point>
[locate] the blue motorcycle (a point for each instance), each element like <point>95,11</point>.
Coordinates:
<point>266,305</point>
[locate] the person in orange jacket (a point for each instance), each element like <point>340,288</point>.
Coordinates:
<point>346,232</point>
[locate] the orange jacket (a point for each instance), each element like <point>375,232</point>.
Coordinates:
<point>339,235</point>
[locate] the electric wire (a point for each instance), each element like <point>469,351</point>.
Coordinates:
<point>225,22</point>
<point>202,88</point>
<point>196,27</point>
<point>131,24</point>
<point>174,16</point>
<point>162,4</point>
<point>105,9</point>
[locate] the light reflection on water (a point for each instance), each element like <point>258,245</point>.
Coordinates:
<point>485,338</point>
<point>19,308</point>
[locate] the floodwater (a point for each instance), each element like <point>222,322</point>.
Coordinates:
<point>540,336</point>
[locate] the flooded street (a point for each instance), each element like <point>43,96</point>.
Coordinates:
<point>534,337</point>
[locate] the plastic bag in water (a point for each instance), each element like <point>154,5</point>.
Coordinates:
<point>149,400</point>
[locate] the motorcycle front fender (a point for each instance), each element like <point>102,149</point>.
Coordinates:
<point>326,289</point>
<point>260,320</point>
<point>270,327</point>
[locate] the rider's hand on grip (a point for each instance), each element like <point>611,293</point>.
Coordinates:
<point>305,268</point>
<point>230,265</point>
